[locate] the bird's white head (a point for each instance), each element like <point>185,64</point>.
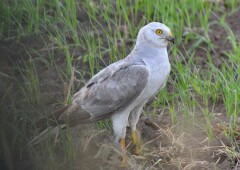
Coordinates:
<point>156,34</point>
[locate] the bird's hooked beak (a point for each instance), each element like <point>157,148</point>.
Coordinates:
<point>170,38</point>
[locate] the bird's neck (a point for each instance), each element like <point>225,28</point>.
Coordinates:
<point>150,53</point>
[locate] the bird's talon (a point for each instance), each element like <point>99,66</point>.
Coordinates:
<point>137,150</point>
<point>124,163</point>
<point>137,143</point>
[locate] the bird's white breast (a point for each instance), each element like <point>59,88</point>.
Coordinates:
<point>158,74</point>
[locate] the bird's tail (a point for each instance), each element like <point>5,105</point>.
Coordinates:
<point>48,126</point>
<point>45,134</point>
<point>70,116</point>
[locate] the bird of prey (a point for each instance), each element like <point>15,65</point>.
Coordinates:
<point>120,90</point>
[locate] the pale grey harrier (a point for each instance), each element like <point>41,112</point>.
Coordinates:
<point>121,90</point>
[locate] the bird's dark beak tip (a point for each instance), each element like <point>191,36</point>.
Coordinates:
<point>172,39</point>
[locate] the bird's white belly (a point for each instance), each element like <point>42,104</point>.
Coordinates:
<point>158,76</point>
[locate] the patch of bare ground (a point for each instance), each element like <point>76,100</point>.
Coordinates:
<point>184,145</point>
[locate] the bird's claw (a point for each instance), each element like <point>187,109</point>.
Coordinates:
<point>137,150</point>
<point>137,143</point>
<point>124,163</point>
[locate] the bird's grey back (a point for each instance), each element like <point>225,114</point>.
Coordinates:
<point>113,88</point>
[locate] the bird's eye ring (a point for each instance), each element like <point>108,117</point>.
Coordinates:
<point>158,31</point>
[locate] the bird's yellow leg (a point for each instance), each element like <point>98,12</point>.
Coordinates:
<point>124,163</point>
<point>137,142</point>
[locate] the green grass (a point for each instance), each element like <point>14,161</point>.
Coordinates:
<point>108,35</point>
<point>30,86</point>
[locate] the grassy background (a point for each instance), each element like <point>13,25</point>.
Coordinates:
<point>75,39</point>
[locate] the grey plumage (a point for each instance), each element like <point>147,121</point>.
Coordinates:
<point>112,89</point>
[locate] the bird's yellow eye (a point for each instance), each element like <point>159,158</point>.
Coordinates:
<point>158,31</point>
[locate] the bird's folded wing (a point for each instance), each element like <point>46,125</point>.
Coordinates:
<point>113,88</point>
